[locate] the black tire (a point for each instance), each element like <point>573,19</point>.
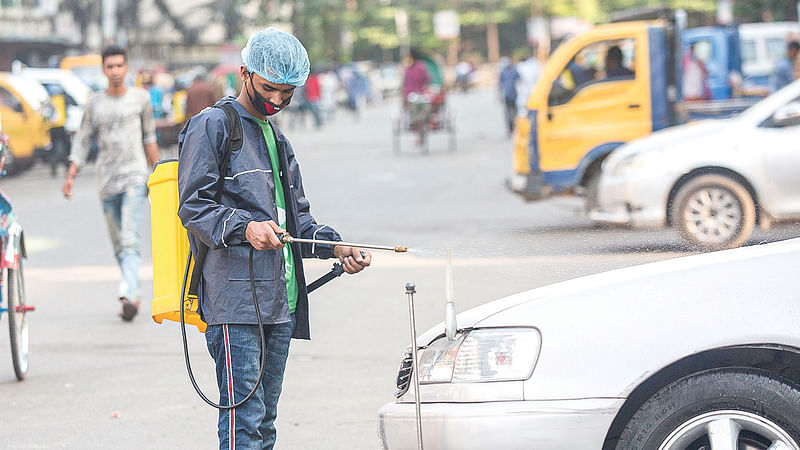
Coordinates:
<point>424,137</point>
<point>592,183</point>
<point>764,406</point>
<point>714,212</point>
<point>396,132</point>
<point>17,321</point>
<point>451,138</point>
<point>11,167</point>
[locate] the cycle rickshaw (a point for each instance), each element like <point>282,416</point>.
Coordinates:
<point>424,113</point>
<point>12,298</point>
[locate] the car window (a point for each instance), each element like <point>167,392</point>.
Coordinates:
<point>53,88</point>
<point>776,48</point>
<point>8,99</point>
<point>599,62</point>
<point>787,115</point>
<point>748,51</point>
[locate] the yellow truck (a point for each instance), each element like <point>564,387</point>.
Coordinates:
<point>27,116</point>
<point>610,85</point>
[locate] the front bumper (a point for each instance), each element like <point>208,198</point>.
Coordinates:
<point>639,201</point>
<point>528,186</point>
<point>557,424</point>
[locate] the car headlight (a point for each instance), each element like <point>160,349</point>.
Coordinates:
<point>632,162</point>
<point>488,354</point>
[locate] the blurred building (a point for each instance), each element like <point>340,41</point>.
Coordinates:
<point>171,33</point>
<point>35,32</point>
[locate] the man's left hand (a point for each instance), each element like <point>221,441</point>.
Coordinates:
<point>353,259</point>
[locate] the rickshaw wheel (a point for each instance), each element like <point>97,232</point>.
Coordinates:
<point>396,130</point>
<point>17,323</point>
<point>451,135</point>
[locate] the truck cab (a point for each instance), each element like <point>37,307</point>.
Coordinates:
<point>581,108</point>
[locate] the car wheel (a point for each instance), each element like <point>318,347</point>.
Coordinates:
<point>718,409</point>
<point>714,212</point>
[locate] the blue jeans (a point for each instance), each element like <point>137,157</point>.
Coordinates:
<point>124,213</point>
<point>236,350</point>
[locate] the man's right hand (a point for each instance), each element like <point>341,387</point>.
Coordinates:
<point>69,180</point>
<point>263,235</point>
<point>67,188</point>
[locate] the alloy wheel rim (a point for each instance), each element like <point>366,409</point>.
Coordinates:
<point>729,430</point>
<point>713,215</point>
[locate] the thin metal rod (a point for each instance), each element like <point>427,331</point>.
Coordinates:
<point>414,367</point>
<point>398,249</point>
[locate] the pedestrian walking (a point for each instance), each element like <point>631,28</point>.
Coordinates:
<point>261,195</point>
<point>120,119</point>
<point>507,83</point>
<point>784,69</point>
<point>529,71</point>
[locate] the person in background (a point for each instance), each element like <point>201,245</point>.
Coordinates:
<point>313,97</point>
<point>695,78</point>
<point>121,120</point>
<point>199,96</point>
<point>507,82</point>
<point>156,95</point>
<point>529,71</point>
<point>329,88</point>
<point>416,98</point>
<point>784,69</point>
<point>614,68</point>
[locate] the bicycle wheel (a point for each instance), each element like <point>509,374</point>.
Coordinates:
<point>17,323</point>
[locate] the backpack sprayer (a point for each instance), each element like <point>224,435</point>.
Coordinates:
<point>171,252</point>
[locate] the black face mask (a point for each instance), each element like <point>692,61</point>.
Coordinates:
<point>262,105</point>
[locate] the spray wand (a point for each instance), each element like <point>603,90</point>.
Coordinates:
<point>286,238</point>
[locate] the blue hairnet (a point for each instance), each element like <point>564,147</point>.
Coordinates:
<point>277,57</point>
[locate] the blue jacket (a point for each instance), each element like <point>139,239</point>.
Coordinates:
<point>248,194</point>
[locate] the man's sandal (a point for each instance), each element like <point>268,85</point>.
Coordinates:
<point>129,310</point>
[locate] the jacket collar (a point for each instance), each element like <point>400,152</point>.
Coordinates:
<point>245,114</point>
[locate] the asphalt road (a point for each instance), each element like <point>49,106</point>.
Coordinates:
<point>96,382</point>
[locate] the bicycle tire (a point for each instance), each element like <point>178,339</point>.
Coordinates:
<point>17,325</point>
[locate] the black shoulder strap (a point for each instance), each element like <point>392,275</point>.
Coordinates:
<point>233,143</point>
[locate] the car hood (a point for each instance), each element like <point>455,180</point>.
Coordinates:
<point>695,133</point>
<point>504,311</point>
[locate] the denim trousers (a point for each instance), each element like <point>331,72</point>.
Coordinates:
<point>124,213</point>
<point>236,350</point>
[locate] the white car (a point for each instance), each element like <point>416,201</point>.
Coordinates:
<point>713,180</point>
<point>696,352</point>
<point>76,93</point>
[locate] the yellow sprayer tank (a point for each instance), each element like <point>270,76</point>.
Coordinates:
<point>170,248</point>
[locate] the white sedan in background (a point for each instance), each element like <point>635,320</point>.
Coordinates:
<point>699,352</point>
<point>714,180</point>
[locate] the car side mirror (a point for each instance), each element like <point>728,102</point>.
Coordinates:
<point>18,108</point>
<point>787,115</point>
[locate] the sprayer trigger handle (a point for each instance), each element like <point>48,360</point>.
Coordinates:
<point>338,269</point>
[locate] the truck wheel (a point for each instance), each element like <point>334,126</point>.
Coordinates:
<point>714,212</point>
<point>11,166</point>
<point>592,184</point>
<point>720,409</point>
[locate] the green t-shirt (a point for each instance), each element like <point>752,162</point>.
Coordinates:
<point>280,202</point>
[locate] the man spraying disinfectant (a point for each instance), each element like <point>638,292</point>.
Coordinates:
<point>257,198</point>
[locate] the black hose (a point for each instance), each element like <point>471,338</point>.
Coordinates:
<point>260,329</point>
